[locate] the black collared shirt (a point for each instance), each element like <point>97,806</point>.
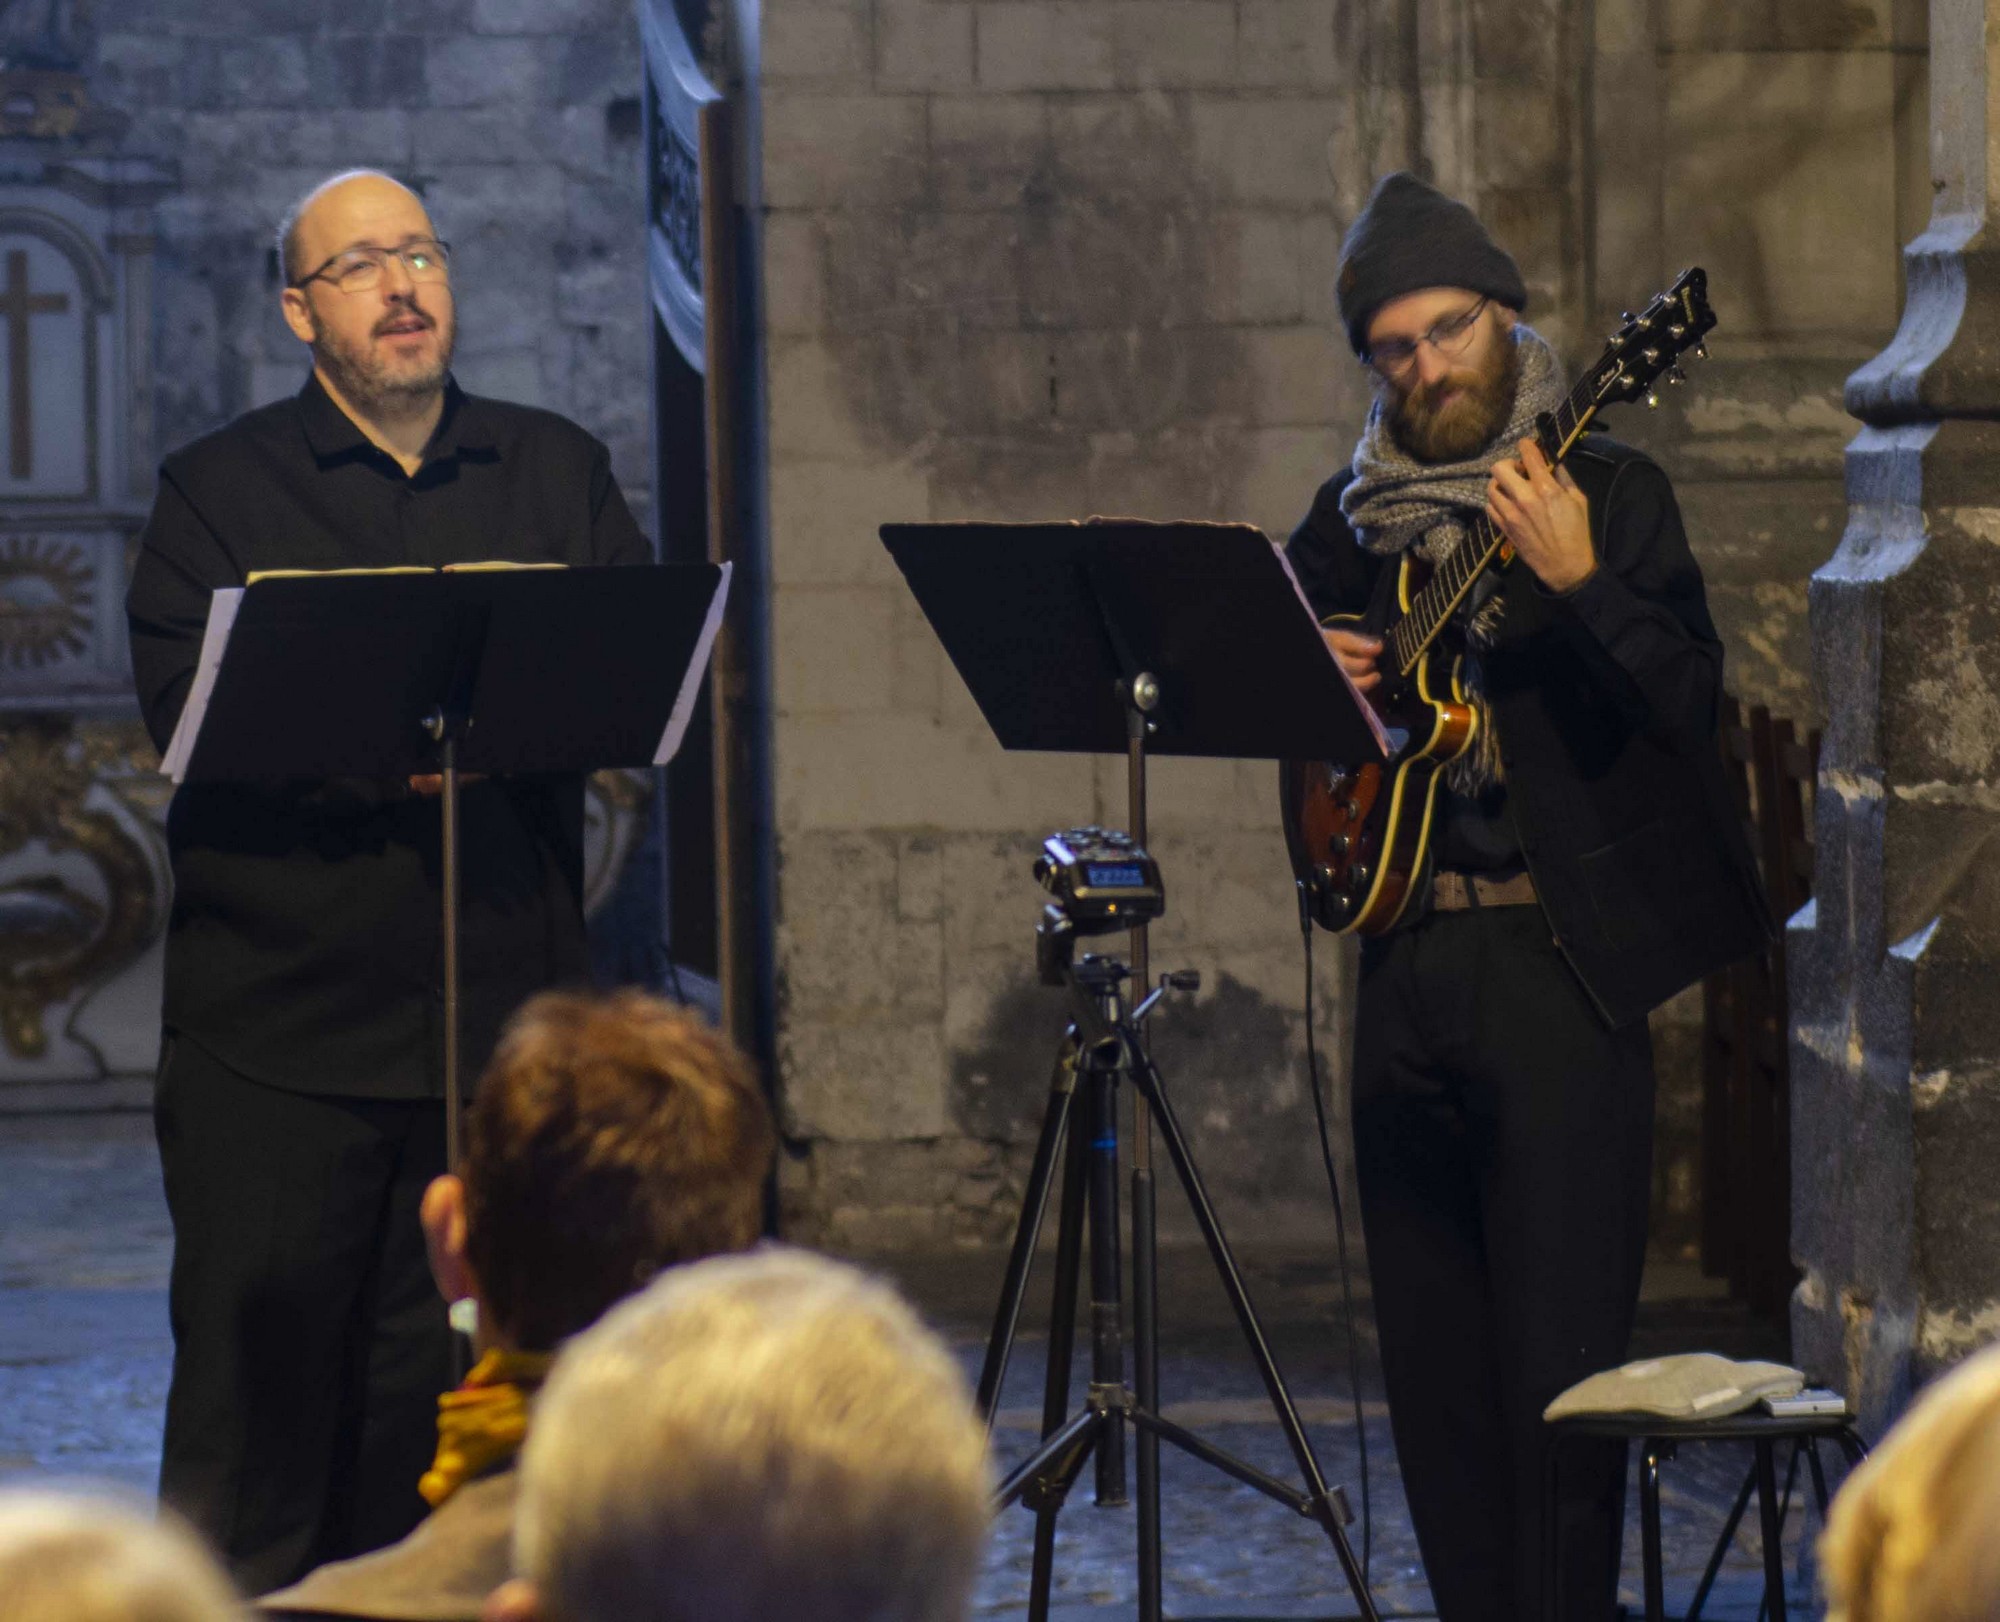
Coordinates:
<point>304,948</point>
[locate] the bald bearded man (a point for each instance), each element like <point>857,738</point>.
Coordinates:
<point>299,1103</point>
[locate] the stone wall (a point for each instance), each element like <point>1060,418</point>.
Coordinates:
<point>1895,1036</point>
<point>518,120</point>
<point>1781,146</point>
<point>1031,258</point>
<point>1024,260</point>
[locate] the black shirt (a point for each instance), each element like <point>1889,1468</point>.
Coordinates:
<point>304,949</point>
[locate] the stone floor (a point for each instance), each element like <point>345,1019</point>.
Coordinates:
<point>84,1355</point>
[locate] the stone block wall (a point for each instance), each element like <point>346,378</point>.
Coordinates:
<point>1032,258</point>
<point>519,123</point>
<point>1781,146</point>
<point>1026,259</point>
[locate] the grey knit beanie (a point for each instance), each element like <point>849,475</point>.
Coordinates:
<point>1410,236</point>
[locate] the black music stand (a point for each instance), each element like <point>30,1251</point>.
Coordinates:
<point>494,672</point>
<point>1135,638</point>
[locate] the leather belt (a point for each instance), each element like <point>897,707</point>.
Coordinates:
<point>1462,892</point>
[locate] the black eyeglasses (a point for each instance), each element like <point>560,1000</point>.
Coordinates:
<point>1448,337</point>
<point>355,270</point>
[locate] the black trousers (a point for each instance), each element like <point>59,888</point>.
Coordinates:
<point>1503,1140</point>
<point>310,1344</point>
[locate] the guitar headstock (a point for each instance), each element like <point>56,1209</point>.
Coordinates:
<point>1649,346</point>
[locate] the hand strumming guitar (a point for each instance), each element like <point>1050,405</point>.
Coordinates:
<point>1356,653</point>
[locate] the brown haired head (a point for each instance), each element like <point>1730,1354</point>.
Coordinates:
<point>612,1136</point>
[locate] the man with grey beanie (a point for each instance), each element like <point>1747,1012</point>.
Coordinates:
<point>1584,865</point>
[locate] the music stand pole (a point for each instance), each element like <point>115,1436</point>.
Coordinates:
<point>445,727</point>
<point>1142,697</point>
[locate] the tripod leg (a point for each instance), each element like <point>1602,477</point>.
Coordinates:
<point>1062,1347</point>
<point>1048,1500</point>
<point>1146,1373</point>
<point>1107,1336</point>
<point>1146,1077</point>
<point>1069,1272</point>
<point>1028,1231</point>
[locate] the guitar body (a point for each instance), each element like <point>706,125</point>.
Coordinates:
<point>1358,835</point>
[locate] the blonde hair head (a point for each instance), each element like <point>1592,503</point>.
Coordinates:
<point>755,1438</point>
<point>77,1557</point>
<point>1915,1532</point>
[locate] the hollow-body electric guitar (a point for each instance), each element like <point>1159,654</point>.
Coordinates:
<point>1358,835</point>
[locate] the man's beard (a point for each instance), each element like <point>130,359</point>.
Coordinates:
<point>377,383</point>
<point>1451,433</point>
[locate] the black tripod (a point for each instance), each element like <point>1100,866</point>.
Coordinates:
<point>1099,637</point>
<point>1101,1046</point>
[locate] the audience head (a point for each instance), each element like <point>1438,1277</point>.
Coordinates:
<point>612,1136</point>
<point>1912,1535</point>
<point>758,1438</point>
<point>75,1557</point>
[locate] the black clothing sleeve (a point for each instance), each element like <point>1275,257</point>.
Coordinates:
<point>1338,577</point>
<point>615,536</point>
<point>1650,638</point>
<point>181,563</point>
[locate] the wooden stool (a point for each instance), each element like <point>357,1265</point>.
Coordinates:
<point>1661,1438</point>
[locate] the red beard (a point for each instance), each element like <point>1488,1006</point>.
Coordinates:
<point>1432,429</point>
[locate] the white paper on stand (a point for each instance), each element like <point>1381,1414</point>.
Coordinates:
<point>214,643</point>
<point>677,723</point>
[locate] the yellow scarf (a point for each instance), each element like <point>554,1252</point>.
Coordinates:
<point>483,1422</point>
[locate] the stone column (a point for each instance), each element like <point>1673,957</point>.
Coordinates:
<point>1895,967</point>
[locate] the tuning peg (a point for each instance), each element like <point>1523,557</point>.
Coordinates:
<point>1676,376</point>
<point>1627,317</point>
<point>1701,351</point>
<point>1677,331</point>
<point>1652,400</point>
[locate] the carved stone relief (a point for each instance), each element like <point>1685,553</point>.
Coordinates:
<point>83,874</point>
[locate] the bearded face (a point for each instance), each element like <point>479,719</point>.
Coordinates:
<point>397,360</point>
<point>1455,416</point>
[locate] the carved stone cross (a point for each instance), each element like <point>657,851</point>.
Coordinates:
<point>17,305</point>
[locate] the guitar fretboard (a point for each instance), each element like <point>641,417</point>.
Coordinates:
<point>1453,578</point>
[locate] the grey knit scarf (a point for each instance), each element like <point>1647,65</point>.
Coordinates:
<point>1396,503</point>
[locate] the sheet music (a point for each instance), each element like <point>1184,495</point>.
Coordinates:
<point>677,723</point>
<point>1383,741</point>
<point>222,608</point>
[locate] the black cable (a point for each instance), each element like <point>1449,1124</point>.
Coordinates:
<point>1340,1242</point>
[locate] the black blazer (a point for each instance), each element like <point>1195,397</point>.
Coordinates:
<point>1604,703</point>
